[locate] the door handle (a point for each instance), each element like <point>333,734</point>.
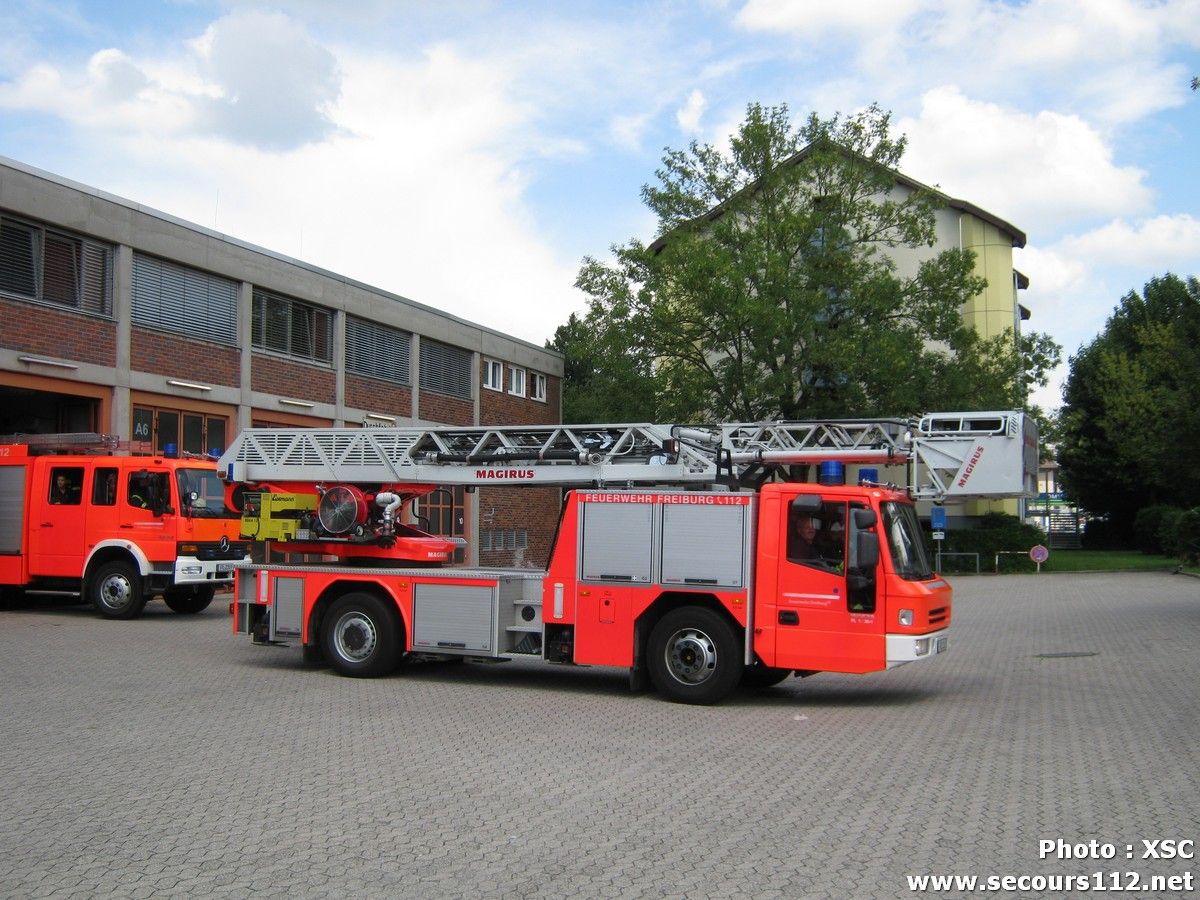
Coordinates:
<point>47,524</point>
<point>789,617</point>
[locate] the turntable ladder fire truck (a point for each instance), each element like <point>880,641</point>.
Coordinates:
<point>81,516</point>
<point>690,556</point>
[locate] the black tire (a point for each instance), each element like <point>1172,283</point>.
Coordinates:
<point>189,601</point>
<point>361,636</point>
<point>115,589</point>
<point>760,676</point>
<point>694,656</point>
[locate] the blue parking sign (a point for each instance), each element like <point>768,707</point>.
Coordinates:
<point>937,518</point>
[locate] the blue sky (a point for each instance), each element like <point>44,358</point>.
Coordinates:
<point>468,154</point>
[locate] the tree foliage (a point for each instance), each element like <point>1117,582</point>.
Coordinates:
<point>607,377</point>
<point>771,293</point>
<point>1131,407</point>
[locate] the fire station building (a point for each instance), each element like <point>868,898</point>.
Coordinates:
<point>122,319</point>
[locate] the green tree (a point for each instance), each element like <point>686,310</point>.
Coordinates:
<point>1130,406</point>
<point>770,292</point>
<point>607,376</point>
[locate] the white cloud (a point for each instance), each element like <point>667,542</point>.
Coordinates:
<point>1040,171</point>
<point>1076,282</point>
<point>406,177</point>
<point>688,116</point>
<point>1111,60</point>
<point>1052,272</point>
<point>812,18</point>
<point>627,131</point>
<point>257,78</point>
<point>276,83</point>
<point>1155,244</point>
<point>112,92</point>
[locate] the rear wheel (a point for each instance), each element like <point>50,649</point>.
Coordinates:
<point>116,590</point>
<point>189,601</point>
<point>694,656</point>
<point>361,636</point>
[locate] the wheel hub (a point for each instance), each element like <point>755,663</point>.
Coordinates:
<point>355,637</point>
<point>691,656</point>
<point>115,592</point>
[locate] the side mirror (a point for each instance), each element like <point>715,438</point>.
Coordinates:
<point>866,549</point>
<point>864,519</point>
<point>808,504</point>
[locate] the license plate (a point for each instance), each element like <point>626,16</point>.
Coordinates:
<point>226,568</point>
<point>940,645</point>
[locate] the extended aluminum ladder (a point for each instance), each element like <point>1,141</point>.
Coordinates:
<point>991,454</point>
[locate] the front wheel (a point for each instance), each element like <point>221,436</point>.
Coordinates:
<point>116,591</point>
<point>361,636</point>
<point>694,656</point>
<point>189,601</point>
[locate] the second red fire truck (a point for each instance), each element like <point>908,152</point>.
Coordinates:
<point>685,555</point>
<point>79,519</point>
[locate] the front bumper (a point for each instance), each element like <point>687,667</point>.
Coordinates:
<point>190,570</point>
<point>905,648</point>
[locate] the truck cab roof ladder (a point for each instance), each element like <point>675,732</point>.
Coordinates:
<point>74,442</point>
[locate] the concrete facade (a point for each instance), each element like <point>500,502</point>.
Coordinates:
<point>71,366</point>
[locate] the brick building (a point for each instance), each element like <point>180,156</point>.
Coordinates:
<point>126,320</point>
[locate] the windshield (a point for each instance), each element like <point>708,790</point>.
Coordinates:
<point>909,559</point>
<point>210,494</point>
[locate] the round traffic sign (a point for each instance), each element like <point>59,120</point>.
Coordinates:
<point>1039,554</point>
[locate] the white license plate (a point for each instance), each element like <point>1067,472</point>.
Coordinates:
<point>226,568</point>
<point>940,645</point>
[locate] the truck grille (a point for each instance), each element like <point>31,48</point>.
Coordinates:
<point>211,550</point>
<point>939,615</point>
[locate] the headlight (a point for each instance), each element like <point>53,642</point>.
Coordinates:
<point>192,570</point>
<point>906,617</point>
<point>921,646</point>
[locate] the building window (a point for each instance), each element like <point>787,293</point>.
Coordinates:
<point>537,387</point>
<point>516,381</point>
<point>446,369</point>
<point>188,301</point>
<point>503,539</point>
<point>190,432</point>
<point>38,263</point>
<point>444,513</point>
<point>378,351</point>
<point>292,327</point>
<point>493,375</point>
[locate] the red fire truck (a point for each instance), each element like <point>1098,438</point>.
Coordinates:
<point>79,519</point>
<point>684,554</point>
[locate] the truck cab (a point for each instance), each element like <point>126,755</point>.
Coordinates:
<point>116,530</point>
<point>844,583</point>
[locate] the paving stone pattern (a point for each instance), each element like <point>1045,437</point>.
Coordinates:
<point>167,757</point>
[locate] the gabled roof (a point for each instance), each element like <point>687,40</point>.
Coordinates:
<point>1017,235</point>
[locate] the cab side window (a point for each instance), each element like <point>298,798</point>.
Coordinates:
<point>104,488</point>
<point>148,490</point>
<point>818,539</point>
<point>66,485</point>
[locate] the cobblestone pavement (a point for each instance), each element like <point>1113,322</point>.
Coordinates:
<point>166,756</point>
